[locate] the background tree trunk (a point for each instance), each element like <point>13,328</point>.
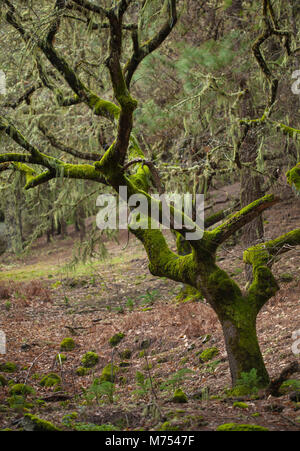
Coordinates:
<point>251,182</point>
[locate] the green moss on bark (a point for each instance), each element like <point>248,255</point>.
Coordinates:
<point>293,177</point>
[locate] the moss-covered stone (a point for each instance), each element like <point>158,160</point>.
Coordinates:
<point>90,359</point>
<point>179,397</point>
<point>235,427</point>
<point>169,426</point>
<point>209,354</point>
<point>81,371</point>
<point>21,389</point>
<point>239,390</point>
<point>19,403</point>
<point>240,405</point>
<point>34,423</point>
<point>108,373</point>
<point>50,380</point>
<point>8,367</point>
<point>68,344</point>
<point>115,339</point>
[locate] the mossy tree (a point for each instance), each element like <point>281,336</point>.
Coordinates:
<point>124,164</point>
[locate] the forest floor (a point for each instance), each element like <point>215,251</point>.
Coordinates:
<point>42,302</point>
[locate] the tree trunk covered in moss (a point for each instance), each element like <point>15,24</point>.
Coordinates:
<point>242,345</point>
<point>237,314</point>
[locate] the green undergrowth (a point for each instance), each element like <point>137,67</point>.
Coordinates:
<point>234,427</point>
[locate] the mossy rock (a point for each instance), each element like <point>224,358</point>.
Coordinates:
<point>238,390</point>
<point>240,405</point>
<point>108,373</point>
<point>169,426</point>
<point>18,402</point>
<point>68,344</point>
<point>81,371</point>
<point>21,389</point>
<point>8,367</point>
<point>90,427</point>
<point>235,427</point>
<point>179,397</point>
<point>36,424</point>
<point>209,354</point>
<point>50,380</point>
<point>291,385</point>
<point>90,359</point>
<point>115,339</point>
<point>3,381</point>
